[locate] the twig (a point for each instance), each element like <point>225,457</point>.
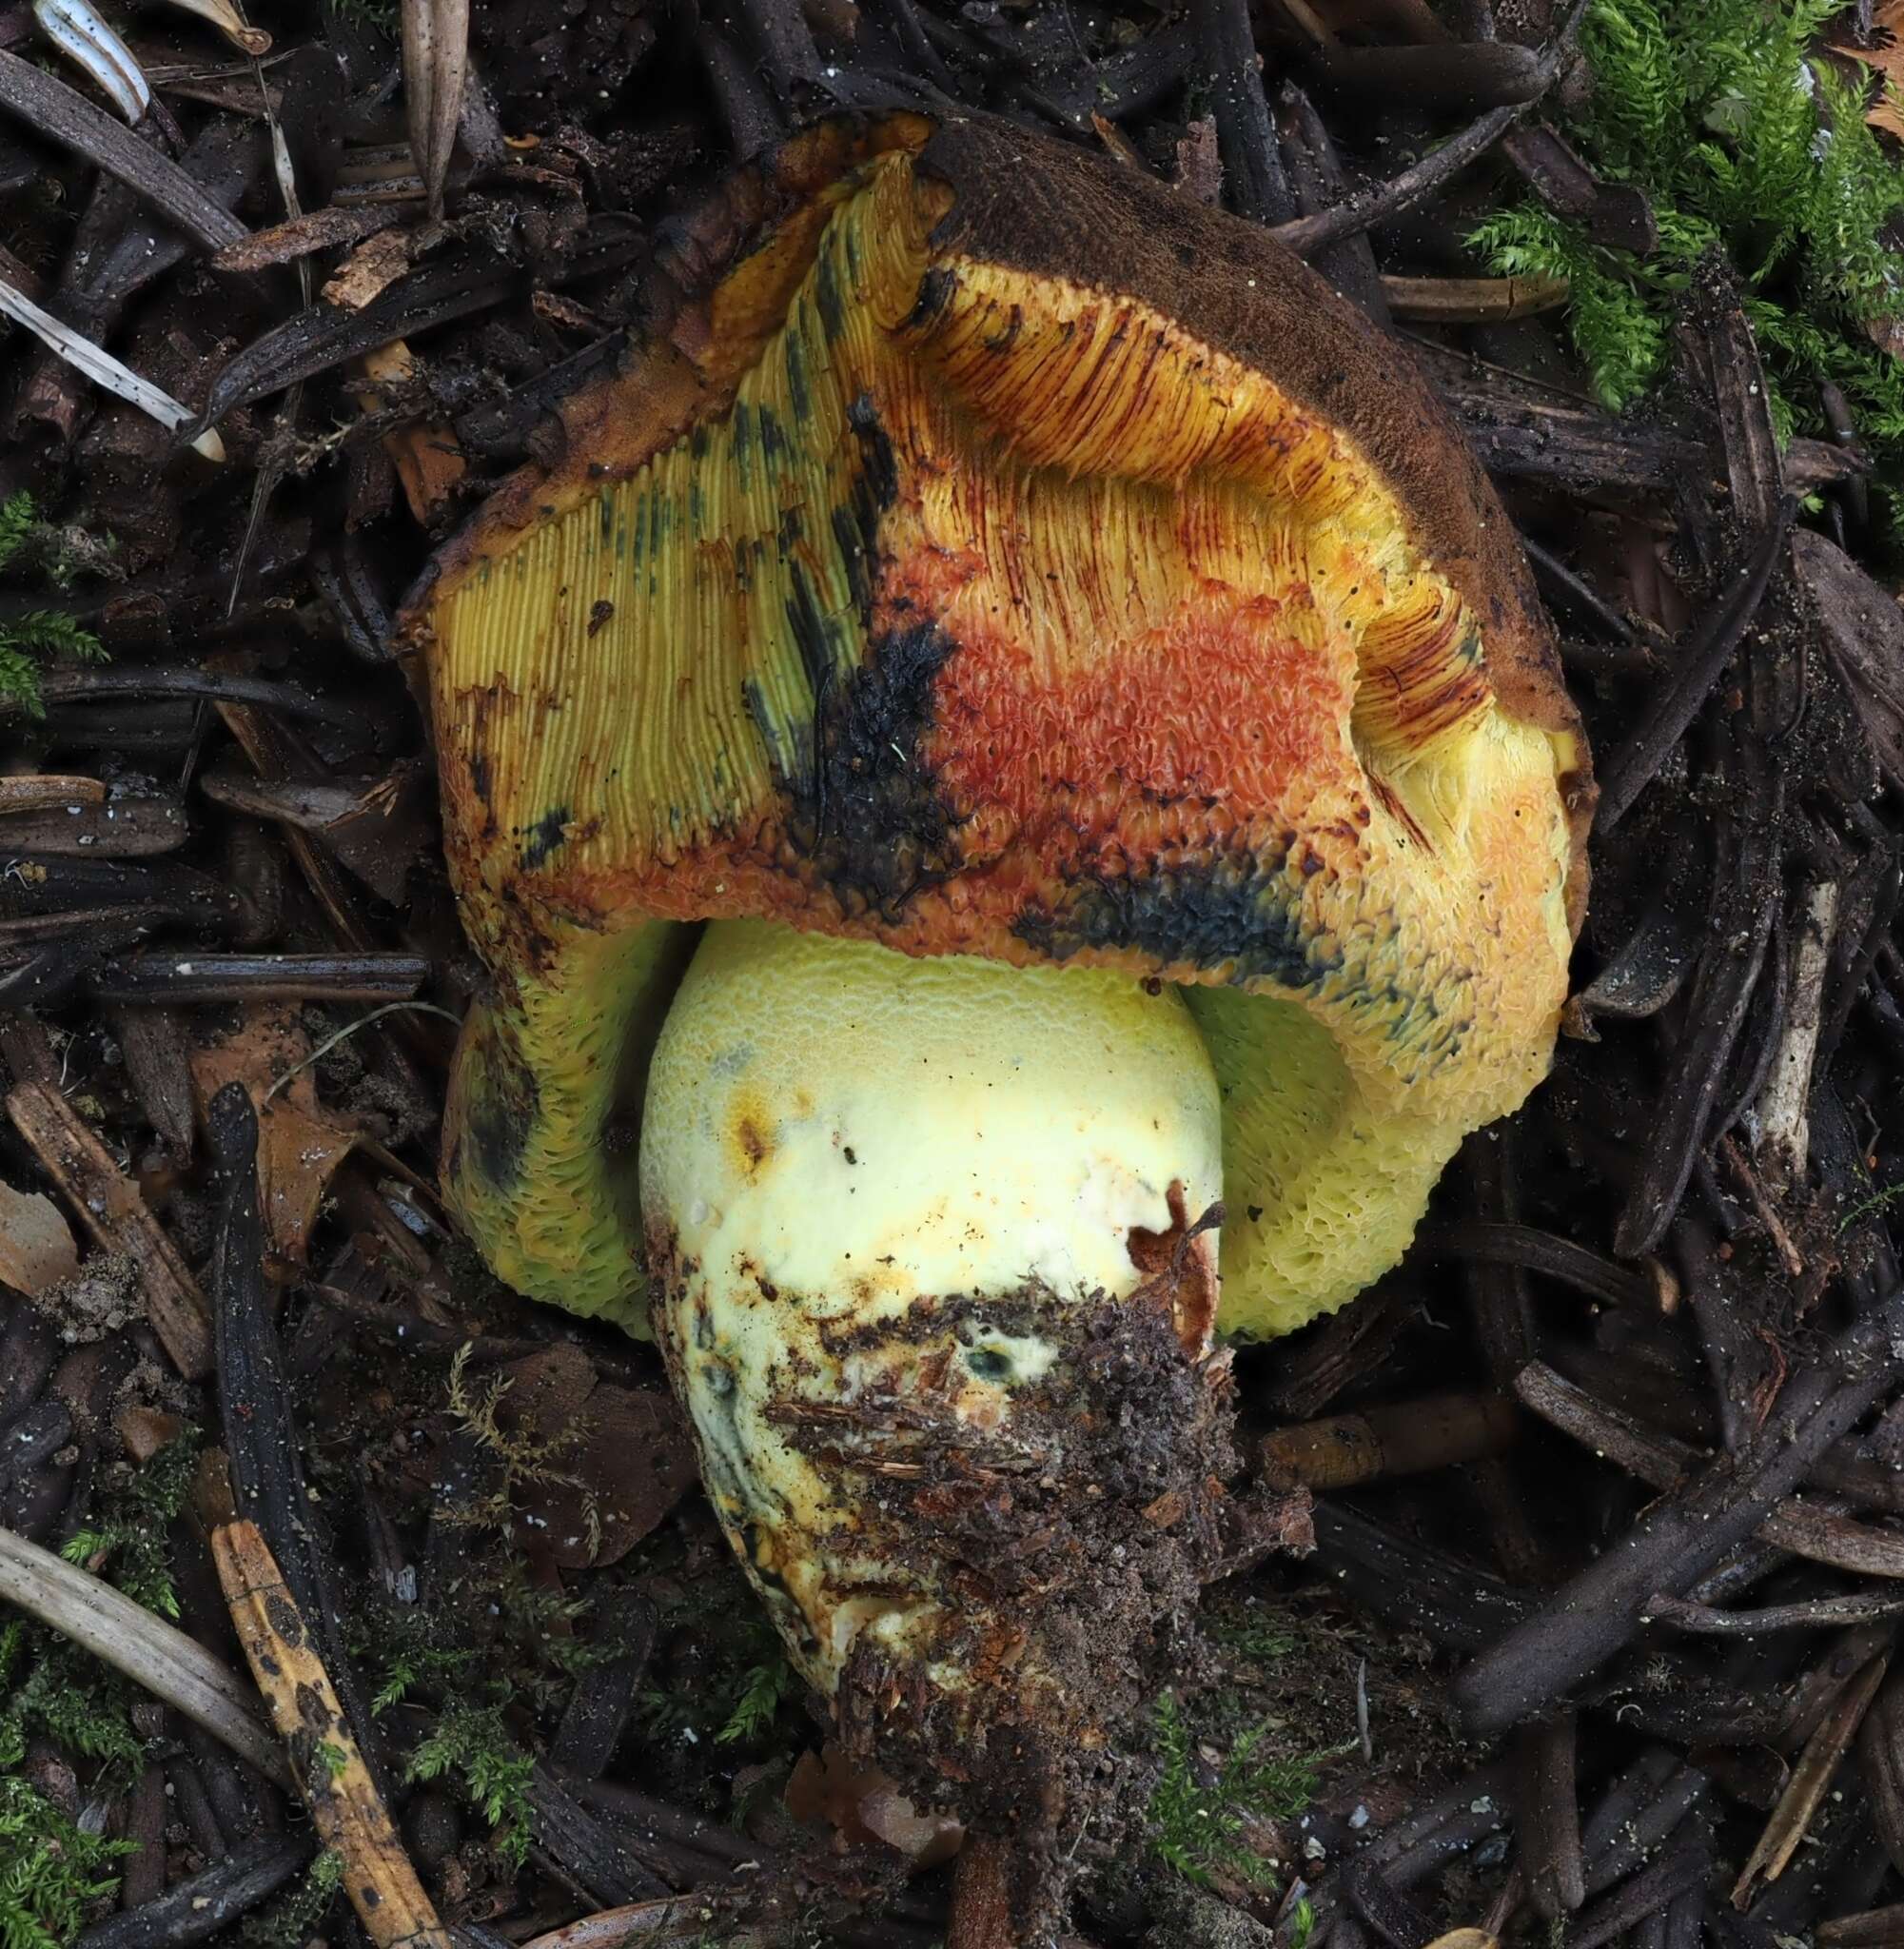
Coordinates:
<point>1380,201</point>
<point>268,1475</point>
<point>1809,1777</point>
<point>1646,1894</point>
<point>63,114</point>
<point>1800,1527</point>
<point>1639,1814</point>
<point>1494,1242</point>
<point>1446,1600</point>
<point>1875,1928</point>
<point>589,1852</point>
<point>110,1207</point>
<point>1880,1743</point>
<point>345,1808</point>
<point>150,1651</point>
<point>45,792</point>
<point>1547,1823</point>
<point>1763,1208</point>
<point>179,977</point>
<point>1472,301</point>
<point>1784,1140</point>
<point>610,1926</point>
<point>1584,1622</point>
<point>1821,1613</point>
<point>1739,911</point>
<point>81,686</point>
<point>1433,1433</point>
<point>1252,166</point>
<point>1632,767</point>
<point>201,1904</point>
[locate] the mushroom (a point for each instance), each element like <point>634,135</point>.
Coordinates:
<point>1014,730</point>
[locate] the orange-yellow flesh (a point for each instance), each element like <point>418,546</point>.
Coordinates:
<point>995,615</point>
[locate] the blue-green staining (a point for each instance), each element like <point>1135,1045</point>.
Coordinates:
<point>1240,912</point>
<point>800,395</point>
<point>501,1101</point>
<point>743,444</point>
<point>826,289</point>
<point>548,834</point>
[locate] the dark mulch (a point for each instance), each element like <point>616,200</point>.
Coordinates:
<point>1602,1642</point>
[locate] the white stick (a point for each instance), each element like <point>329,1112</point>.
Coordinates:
<point>100,368</point>
<point>128,1637</point>
<point>91,43</point>
<point>1784,1133</point>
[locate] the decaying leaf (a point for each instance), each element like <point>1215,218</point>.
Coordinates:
<point>1887,57</point>
<point>36,1243</point>
<point>617,1459</point>
<point>300,1143</point>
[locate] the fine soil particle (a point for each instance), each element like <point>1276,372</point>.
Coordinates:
<point>100,1299</point>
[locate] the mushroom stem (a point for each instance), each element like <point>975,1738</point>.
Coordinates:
<point>927,1278</point>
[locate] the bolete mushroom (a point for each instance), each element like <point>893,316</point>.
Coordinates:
<point>1015,726</point>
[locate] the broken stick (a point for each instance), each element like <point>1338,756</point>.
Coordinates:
<point>347,1809</point>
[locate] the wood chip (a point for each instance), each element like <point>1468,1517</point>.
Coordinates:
<point>345,1808</point>
<point>316,229</point>
<point>113,1211</point>
<point>44,791</point>
<point>370,269</point>
<point>1472,301</point>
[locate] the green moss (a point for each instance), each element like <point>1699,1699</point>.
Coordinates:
<point>763,1691</point>
<point>473,1746</point>
<point>49,1687</point>
<point>53,556</point>
<point>1750,149</point>
<point>49,1869</point>
<point>294,1918</point>
<point>744,1680</point>
<point>128,1541</point>
<point>488,1685</point>
<point>1198,1828</point>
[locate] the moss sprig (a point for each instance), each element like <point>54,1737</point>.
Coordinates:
<point>1747,141</point>
<point>51,1869</point>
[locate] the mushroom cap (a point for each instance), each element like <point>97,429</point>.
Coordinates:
<point>991,551</point>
